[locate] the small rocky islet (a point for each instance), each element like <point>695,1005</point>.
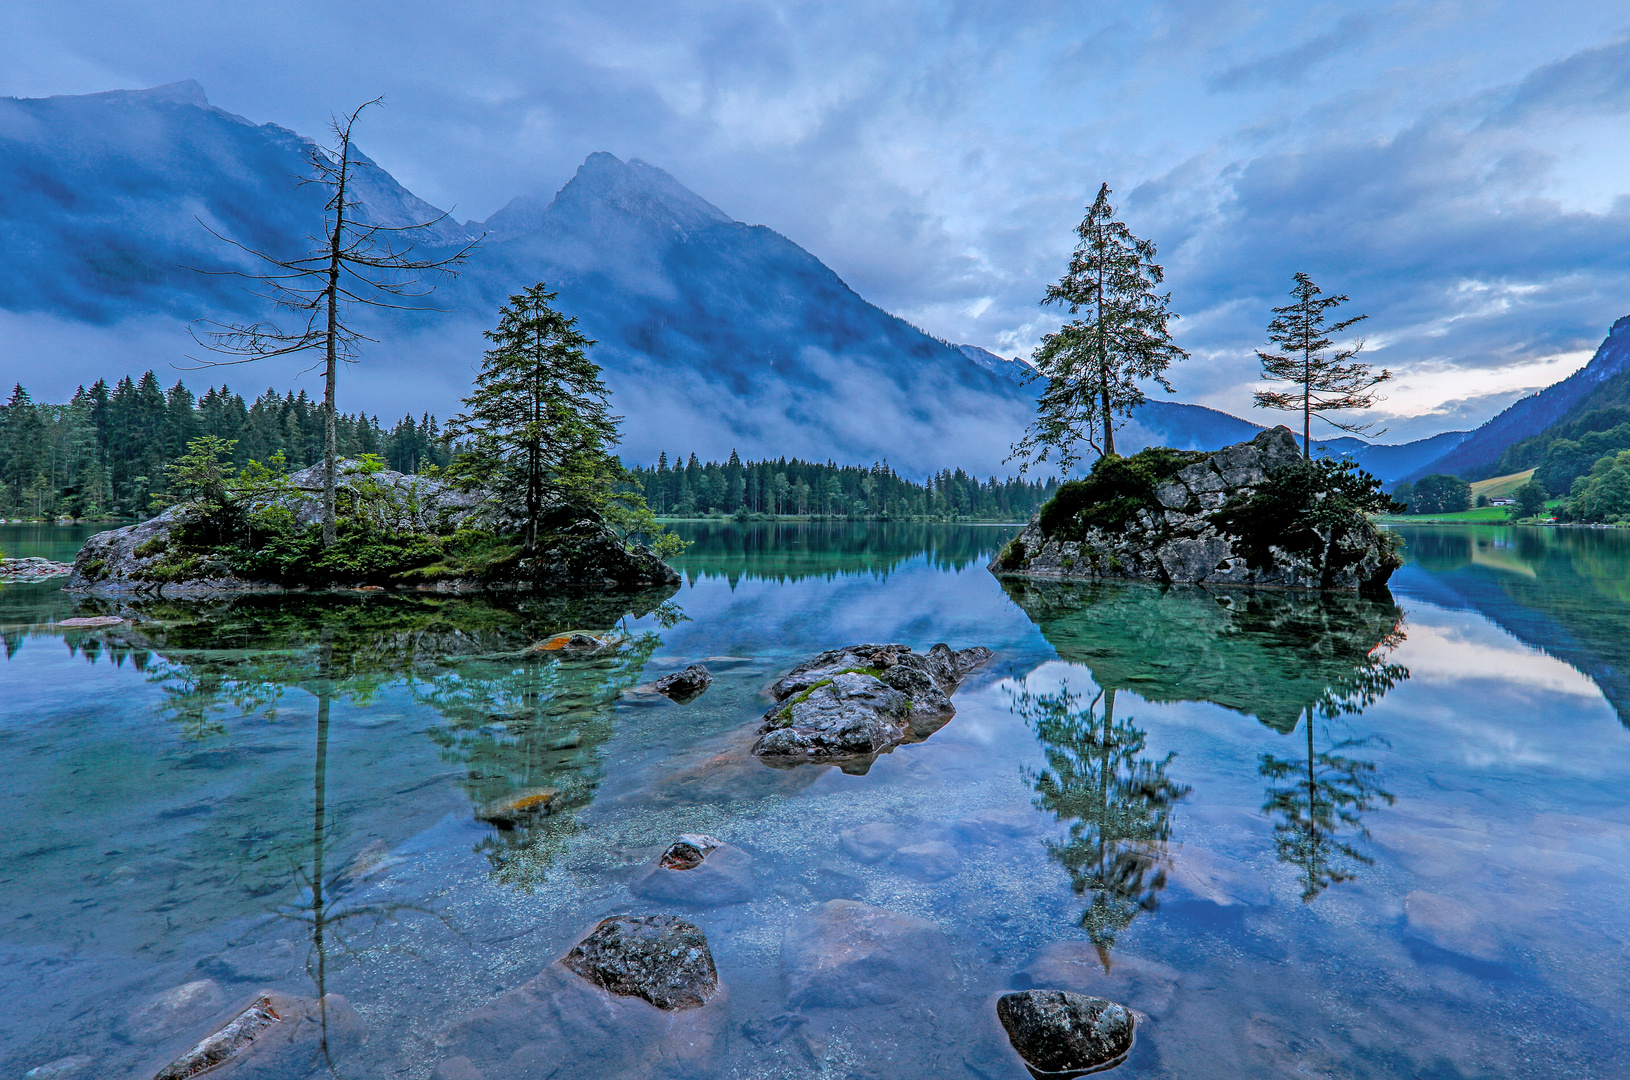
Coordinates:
<point>179,554</point>
<point>1255,514</point>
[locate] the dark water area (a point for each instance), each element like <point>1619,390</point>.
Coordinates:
<point>1299,835</point>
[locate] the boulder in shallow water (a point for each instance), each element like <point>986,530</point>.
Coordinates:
<point>162,1015</point>
<point>275,1037</point>
<point>519,808</point>
<point>660,958</point>
<point>32,569</point>
<point>560,1026</point>
<point>860,700</point>
<point>846,953</point>
<point>698,870</point>
<point>91,622</point>
<point>60,1069</point>
<point>934,860</point>
<point>1062,1034</point>
<point>687,685</point>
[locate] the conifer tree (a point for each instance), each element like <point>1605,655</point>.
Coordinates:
<point>538,414</point>
<point>1325,381</point>
<point>1094,363</point>
<point>353,263</point>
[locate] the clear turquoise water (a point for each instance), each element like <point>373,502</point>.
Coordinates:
<point>1125,787</point>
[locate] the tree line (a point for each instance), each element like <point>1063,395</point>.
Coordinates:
<point>691,488</point>
<point>106,451</point>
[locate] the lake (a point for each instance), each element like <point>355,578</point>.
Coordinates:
<point>1298,835</point>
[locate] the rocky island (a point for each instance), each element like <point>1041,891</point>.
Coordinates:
<point>395,530</point>
<point>1255,514</point>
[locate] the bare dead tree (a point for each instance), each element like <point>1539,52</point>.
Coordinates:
<point>354,263</point>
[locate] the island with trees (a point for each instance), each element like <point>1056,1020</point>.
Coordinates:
<point>1261,513</point>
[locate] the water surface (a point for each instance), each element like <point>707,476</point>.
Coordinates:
<point>1300,835</point>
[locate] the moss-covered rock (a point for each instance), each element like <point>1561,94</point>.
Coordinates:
<point>1255,513</point>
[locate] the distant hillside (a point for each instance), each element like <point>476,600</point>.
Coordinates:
<point>1516,439</point>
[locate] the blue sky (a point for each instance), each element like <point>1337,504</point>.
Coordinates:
<point>1461,170</point>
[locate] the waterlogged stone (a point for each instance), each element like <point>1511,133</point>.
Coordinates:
<point>274,1037</point>
<point>698,870</point>
<point>846,953</point>
<point>60,1069</point>
<point>1062,1034</point>
<point>660,958</point>
<point>519,808</point>
<point>560,1026</point>
<point>687,685</point>
<point>265,962</point>
<point>932,861</point>
<point>91,622</point>
<point>162,1016</point>
<point>873,841</point>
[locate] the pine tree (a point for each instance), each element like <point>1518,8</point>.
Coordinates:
<point>1326,381</point>
<point>1094,364</point>
<point>538,413</point>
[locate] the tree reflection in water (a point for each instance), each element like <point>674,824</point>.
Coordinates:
<point>1325,793</point>
<point>1118,804</point>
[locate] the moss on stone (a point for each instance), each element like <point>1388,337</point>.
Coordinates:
<point>1115,492</point>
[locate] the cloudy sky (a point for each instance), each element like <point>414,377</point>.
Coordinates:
<point>1461,170</point>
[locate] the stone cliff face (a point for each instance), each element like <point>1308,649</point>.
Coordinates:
<point>1242,515</point>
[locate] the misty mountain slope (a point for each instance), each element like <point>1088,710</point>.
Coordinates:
<point>716,335</point>
<point>1480,451</point>
<point>101,198</point>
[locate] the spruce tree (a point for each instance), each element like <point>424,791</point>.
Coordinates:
<point>1326,381</point>
<point>1094,363</point>
<point>538,417</point>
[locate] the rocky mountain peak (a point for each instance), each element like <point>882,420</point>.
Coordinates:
<point>606,186</point>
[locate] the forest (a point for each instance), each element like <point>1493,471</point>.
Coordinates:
<point>103,454</point>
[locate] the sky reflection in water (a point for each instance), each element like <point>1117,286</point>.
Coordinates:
<point>1301,835</point>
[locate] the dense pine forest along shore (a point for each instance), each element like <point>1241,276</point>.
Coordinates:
<point>796,488</point>
<point>105,453</point>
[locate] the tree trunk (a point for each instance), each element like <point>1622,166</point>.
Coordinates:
<point>1103,360</point>
<point>1307,405</point>
<point>330,435</point>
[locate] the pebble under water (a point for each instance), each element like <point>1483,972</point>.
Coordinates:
<point>1293,835</point>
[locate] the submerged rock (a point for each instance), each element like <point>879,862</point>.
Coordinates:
<point>91,622</point>
<point>31,569</point>
<point>687,685</point>
<point>1062,1034</point>
<point>561,1026</point>
<point>163,1015</point>
<point>275,1037</point>
<point>519,808</point>
<point>860,700</point>
<point>934,860</point>
<point>846,953</point>
<point>699,870</point>
<point>1189,517</point>
<point>60,1069</point>
<point>873,841</point>
<point>660,958</point>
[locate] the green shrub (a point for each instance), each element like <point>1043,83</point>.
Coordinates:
<point>148,548</point>
<point>1113,494</point>
<point>1306,508</point>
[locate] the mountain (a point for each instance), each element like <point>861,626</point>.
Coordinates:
<point>1601,383</point>
<point>714,335</point>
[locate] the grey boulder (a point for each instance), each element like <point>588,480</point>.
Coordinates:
<point>1062,1034</point>
<point>660,958</point>
<point>860,700</point>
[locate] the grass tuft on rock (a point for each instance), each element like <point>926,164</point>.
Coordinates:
<point>1114,492</point>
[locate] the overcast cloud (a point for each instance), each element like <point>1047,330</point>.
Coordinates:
<point>1461,170</point>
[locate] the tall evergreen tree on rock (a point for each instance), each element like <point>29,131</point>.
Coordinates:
<point>537,422</point>
<point>1116,340</point>
<point>1325,379</point>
